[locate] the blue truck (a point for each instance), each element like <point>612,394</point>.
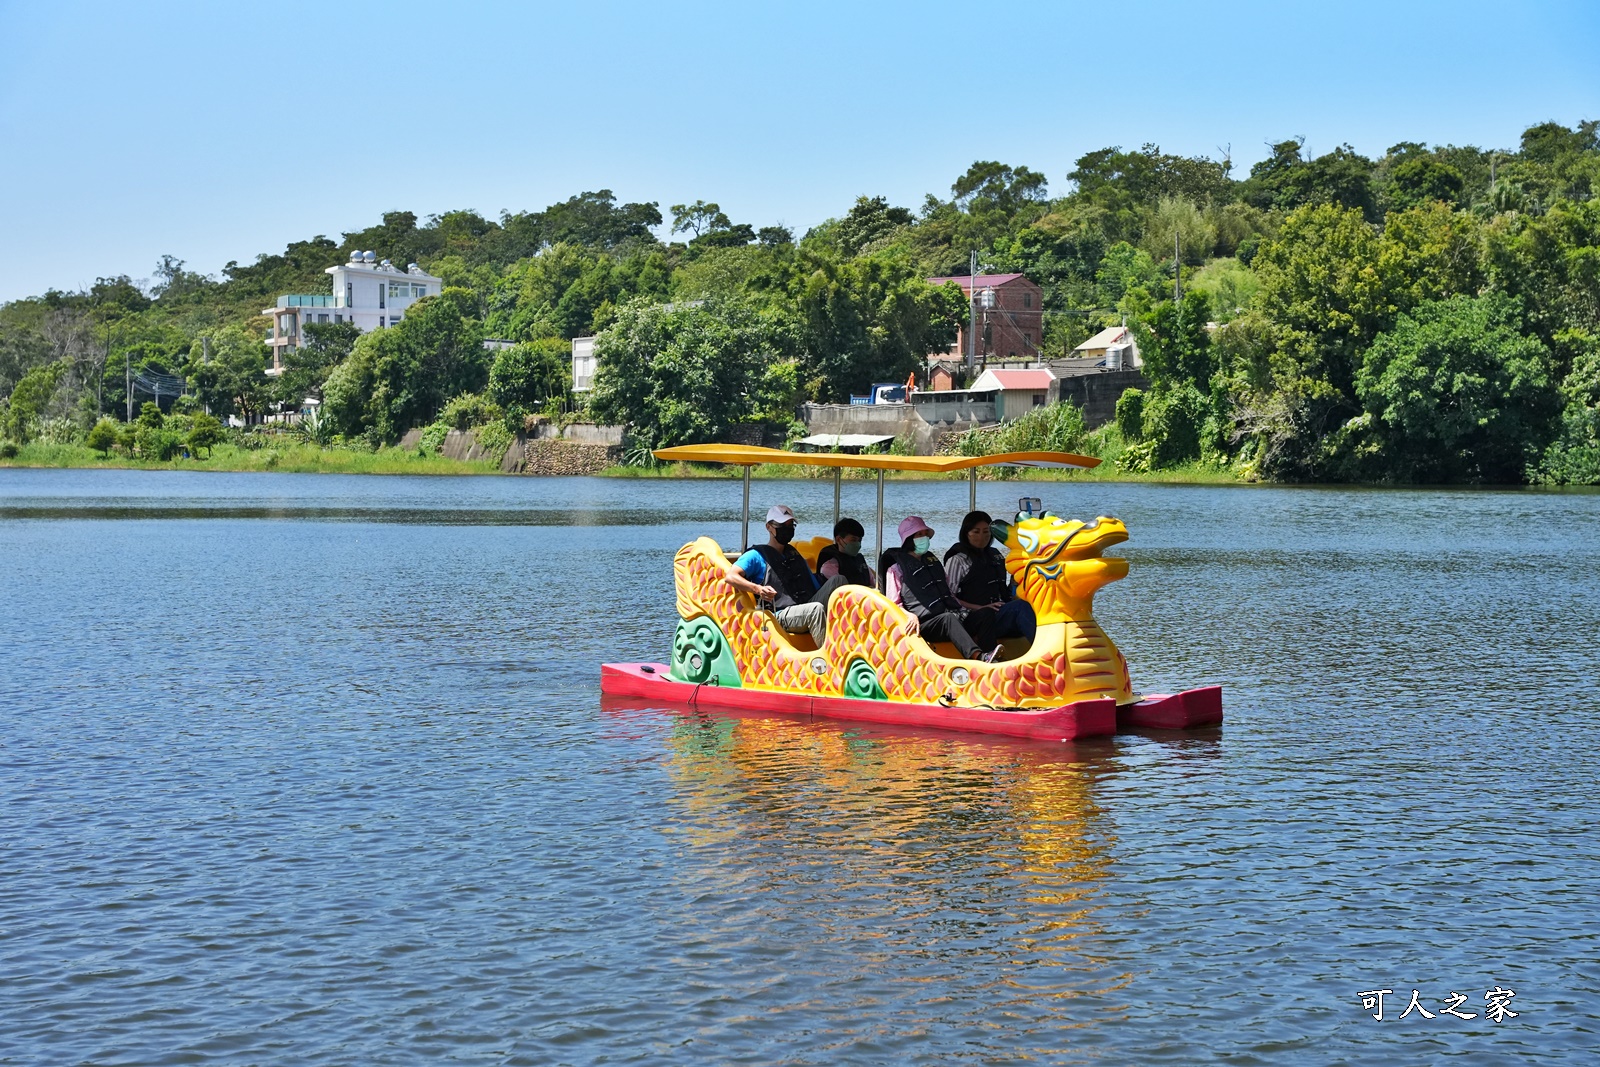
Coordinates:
<point>883,393</point>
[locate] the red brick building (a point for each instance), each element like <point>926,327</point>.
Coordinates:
<point>1009,314</point>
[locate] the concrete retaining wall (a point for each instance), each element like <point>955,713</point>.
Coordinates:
<point>1097,393</point>
<point>463,445</point>
<point>579,448</point>
<point>954,407</point>
<point>926,423</point>
<point>580,433</point>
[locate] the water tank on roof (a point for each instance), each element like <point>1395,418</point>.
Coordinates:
<point>369,257</point>
<point>1116,357</point>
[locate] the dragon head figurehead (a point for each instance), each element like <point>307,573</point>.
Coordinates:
<point>1057,563</point>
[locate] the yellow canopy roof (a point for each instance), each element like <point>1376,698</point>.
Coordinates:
<point>751,455</point>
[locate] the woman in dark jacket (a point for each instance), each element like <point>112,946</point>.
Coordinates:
<point>976,571</point>
<point>912,577</point>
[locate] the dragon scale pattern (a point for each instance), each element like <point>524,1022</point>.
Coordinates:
<point>1071,658</point>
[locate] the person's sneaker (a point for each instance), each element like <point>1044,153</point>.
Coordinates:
<point>999,651</point>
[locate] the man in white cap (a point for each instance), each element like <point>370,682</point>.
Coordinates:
<point>914,578</point>
<point>775,572</point>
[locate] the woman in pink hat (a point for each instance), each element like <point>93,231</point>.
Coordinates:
<point>914,578</point>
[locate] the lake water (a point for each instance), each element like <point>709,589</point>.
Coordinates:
<point>302,769</point>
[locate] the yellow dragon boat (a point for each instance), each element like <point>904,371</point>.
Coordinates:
<point>1070,682</point>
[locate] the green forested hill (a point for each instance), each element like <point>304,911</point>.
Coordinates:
<point>1431,315</point>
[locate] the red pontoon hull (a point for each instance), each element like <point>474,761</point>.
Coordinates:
<point>1086,718</point>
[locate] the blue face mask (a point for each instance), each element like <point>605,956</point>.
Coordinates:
<point>850,548</point>
<point>920,545</point>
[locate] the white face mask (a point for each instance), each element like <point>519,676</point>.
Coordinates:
<point>920,545</point>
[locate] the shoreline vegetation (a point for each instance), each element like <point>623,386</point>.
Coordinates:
<point>301,458</point>
<point>310,459</point>
<point>1059,428</point>
<point>1427,316</point>
<point>228,458</point>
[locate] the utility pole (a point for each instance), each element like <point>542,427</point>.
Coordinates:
<point>1177,268</point>
<point>127,377</point>
<point>972,314</point>
<point>100,384</point>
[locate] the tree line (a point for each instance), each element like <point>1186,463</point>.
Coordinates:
<point>1430,315</point>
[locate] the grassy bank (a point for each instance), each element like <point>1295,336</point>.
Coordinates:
<point>1195,473</point>
<point>1105,443</point>
<point>288,458</point>
<point>298,458</point>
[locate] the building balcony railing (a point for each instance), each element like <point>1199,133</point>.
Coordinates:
<point>318,300</point>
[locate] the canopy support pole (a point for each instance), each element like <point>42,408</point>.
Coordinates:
<point>744,531</point>
<point>972,489</point>
<point>838,472</point>
<point>880,513</point>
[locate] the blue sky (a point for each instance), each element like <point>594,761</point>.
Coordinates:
<point>217,131</point>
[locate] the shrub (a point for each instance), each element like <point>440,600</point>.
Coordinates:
<point>246,437</point>
<point>150,415</point>
<point>433,436</point>
<point>157,442</point>
<point>103,436</point>
<point>467,410</point>
<point>9,449</point>
<point>30,399</point>
<point>524,376</point>
<point>315,429</point>
<point>1173,424</point>
<point>204,434</point>
<point>58,430</point>
<point>1130,415</point>
<point>1052,428</point>
<point>494,439</point>
<point>639,455</point>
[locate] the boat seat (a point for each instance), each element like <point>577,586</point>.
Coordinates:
<point>810,550</point>
<point>801,642</point>
<point>1014,647</point>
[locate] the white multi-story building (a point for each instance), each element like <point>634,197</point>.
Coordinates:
<point>369,292</point>
<point>582,364</point>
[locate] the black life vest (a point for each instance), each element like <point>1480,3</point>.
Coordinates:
<point>985,580</point>
<point>788,575</point>
<point>854,568</point>
<point>923,589</point>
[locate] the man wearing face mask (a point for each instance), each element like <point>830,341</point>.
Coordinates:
<point>914,578</point>
<point>775,572</point>
<point>844,555</point>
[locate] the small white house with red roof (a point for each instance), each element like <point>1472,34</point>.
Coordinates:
<point>1016,392</point>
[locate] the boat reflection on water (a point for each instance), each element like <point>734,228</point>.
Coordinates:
<point>944,862</point>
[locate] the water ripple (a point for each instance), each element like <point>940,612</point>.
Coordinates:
<point>340,788</point>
